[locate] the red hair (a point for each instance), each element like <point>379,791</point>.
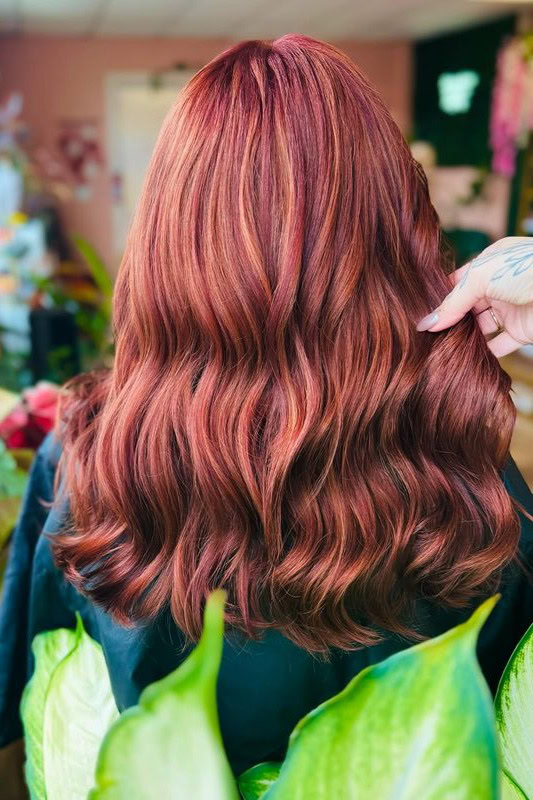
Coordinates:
<point>273,423</point>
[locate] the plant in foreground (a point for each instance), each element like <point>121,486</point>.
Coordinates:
<point>418,726</point>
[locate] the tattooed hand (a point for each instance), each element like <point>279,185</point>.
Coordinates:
<point>498,286</point>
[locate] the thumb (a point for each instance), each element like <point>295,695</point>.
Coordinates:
<point>453,308</point>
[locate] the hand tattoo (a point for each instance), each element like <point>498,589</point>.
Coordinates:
<point>517,259</point>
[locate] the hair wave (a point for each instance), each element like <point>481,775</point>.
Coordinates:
<point>273,423</point>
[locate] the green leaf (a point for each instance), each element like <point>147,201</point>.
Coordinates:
<point>96,266</point>
<point>510,790</point>
<point>418,725</point>
<point>12,479</point>
<point>49,650</point>
<point>23,457</point>
<point>7,461</point>
<point>170,745</point>
<point>255,782</point>
<point>68,712</point>
<point>9,511</point>
<point>13,483</point>
<point>514,714</point>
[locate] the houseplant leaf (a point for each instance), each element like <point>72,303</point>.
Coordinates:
<point>66,713</point>
<point>9,512</point>
<point>255,782</point>
<point>23,457</point>
<point>510,790</point>
<point>12,479</point>
<point>96,267</point>
<point>419,724</point>
<point>514,714</point>
<point>170,745</point>
<point>49,649</point>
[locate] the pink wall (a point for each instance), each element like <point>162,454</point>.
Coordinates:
<point>63,78</point>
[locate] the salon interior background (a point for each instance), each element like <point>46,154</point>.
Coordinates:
<point>85,84</point>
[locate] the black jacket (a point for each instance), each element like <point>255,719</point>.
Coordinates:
<point>264,687</point>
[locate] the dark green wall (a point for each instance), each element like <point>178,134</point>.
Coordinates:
<point>459,138</point>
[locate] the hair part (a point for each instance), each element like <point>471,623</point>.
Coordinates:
<point>273,423</point>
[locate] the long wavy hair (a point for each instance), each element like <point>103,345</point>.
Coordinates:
<point>273,423</point>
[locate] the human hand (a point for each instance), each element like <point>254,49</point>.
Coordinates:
<point>498,286</point>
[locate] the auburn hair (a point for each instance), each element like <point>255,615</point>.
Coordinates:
<point>273,423</point>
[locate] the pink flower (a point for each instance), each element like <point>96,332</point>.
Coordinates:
<point>29,422</point>
<point>17,439</point>
<point>15,420</point>
<point>41,402</point>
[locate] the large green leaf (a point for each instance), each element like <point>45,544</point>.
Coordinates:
<point>170,745</point>
<point>49,650</point>
<point>514,714</point>
<point>67,708</point>
<point>510,790</point>
<point>418,725</point>
<point>255,782</point>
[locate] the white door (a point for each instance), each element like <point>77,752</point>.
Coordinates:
<point>136,109</point>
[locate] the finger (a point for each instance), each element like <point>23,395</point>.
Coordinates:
<point>503,344</point>
<point>486,322</point>
<point>461,273</point>
<point>453,307</point>
<point>457,274</point>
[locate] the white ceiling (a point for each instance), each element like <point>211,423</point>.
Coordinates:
<point>239,19</point>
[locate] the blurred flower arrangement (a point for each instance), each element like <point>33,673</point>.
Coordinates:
<point>40,267</point>
<point>61,173</point>
<point>78,144</point>
<point>41,174</point>
<point>29,416</point>
<point>24,422</point>
<point>86,293</point>
<point>512,103</point>
<point>44,273</point>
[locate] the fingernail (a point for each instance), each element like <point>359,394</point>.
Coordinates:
<point>428,322</point>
